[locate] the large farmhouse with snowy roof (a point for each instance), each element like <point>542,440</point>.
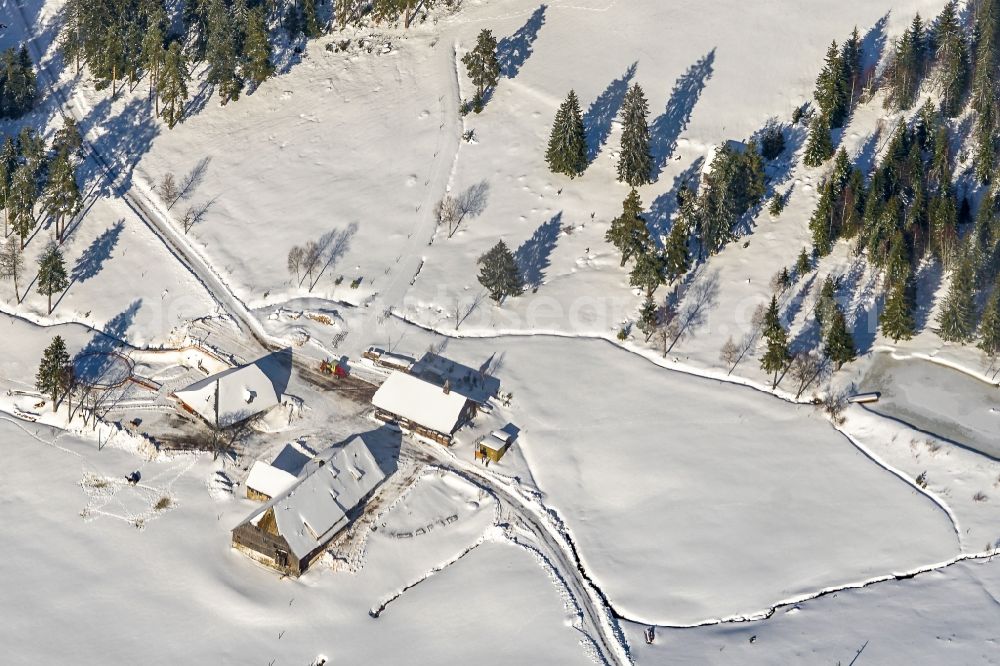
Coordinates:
<point>421,407</point>
<point>231,396</point>
<point>291,531</point>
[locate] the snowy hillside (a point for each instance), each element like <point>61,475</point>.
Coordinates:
<point>626,475</point>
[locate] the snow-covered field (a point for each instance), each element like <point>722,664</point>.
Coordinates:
<point>635,494</point>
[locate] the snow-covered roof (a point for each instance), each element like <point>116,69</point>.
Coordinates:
<point>269,480</point>
<point>282,472</point>
<point>420,402</point>
<point>244,391</point>
<point>315,508</point>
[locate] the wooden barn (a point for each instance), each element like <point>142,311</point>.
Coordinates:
<point>268,480</point>
<point>292,530</point>
<point>421,407</point>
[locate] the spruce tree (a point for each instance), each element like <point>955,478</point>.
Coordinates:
<point>985,158</point>
<point>777,355</point>
<point>220,53</point>
<point>52,369</point>
<point>819,146</point>
<point>831,88</point>
<point>21,202</point>
<point>482,66</point>
<point>957,319</point>
<point>152,47</point>
<point>986,28</point>
<point>12,263</point>
<point>500,273</point>
<point>803,265</point>
<point>896,320</point>
<point>635,163</point>
<point>628,232</point>
<point>567,152</point>
<point>826,302</point>
<point>52,276</point>
<point>649,271</point>
<point>952,60</point>
<point>839,347</point>
<point>821,222</point>
<point>676,252</point>
<point>257,65</point>
<point>8,165</point>
<point>989,327</point>
<point>172,85</point>
<point>648,318</point>
<point>68,138</point>
<point>61,198</point>
<point>850,56</point>
<point>310,20</point>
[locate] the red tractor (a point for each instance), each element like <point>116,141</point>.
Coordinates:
<point>335,368</point>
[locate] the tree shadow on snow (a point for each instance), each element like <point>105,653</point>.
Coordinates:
<point>92,260</point>
<point>602,112</point>
<point>514,51</point>
<point>666,129</point>
<point>664,206</point>
<point>533,256</point>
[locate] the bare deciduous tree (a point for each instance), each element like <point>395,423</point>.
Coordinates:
<point>195,214</point>
<point>452,211</point>
<point>311,255</point>
<point>806,367</point>
<point>295,256</point>
<point>168,190</point>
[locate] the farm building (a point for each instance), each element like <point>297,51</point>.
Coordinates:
<point>421,407</point>
<point>290,531</point>
<point>231,396</point>
<point>268,480</point>
<point>495,446</point>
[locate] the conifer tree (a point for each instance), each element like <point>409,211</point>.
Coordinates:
<point>172,85</point>
<point>831,88</point>
<point>8,165</point>
<point>68,138</point>
<point>821,222</point>
<point>482,66</point>
<point>21,202</point>
<point>52,369</point>
<point>567,152</point>
<point>500,273</point>
<point>803,265</point>
<point>12,263</point>
<point>628,232</point>
<point>71,38</point>
<point>957,319</point>
<point>943,225</point>
<point>635,162</point>
<point>989,327</point>
<point>310,20</point>
<point>257,65</point>
<point>648,318</point>
<point>676,252</point>
<point>777,355</point>
<point>951,60</point>
<point>819,147</point>
<point>649,271</point>
<point>986,29</point>
<point>908,66</point>
<point>839,347</point>
<point>850,56</point>
<point>220,53</point>
<point>896,319</point>
<point>61,198</point>
<point>52,276</point>
<point>825,304</point>
<point>985,158</point>
<point>152,47</point>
